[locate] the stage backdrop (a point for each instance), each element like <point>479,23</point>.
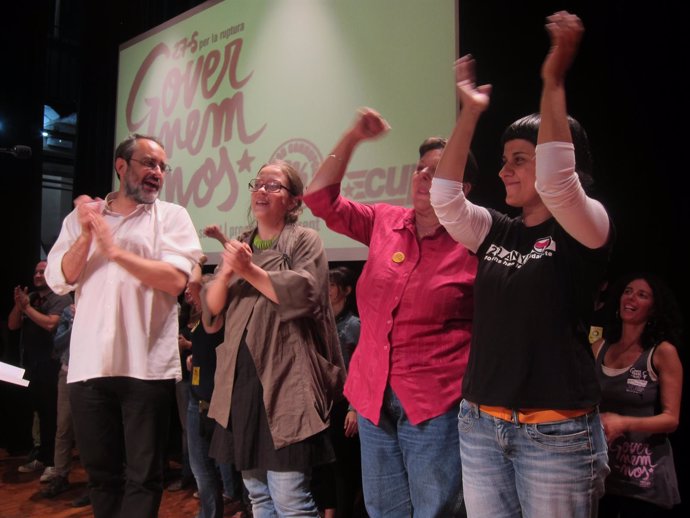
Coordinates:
<point>231,84</point>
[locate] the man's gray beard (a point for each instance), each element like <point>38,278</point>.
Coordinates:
<point>136,194</point>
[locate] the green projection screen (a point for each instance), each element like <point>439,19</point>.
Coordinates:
<point>231,84</point>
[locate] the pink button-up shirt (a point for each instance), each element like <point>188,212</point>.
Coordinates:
<point>415,303</point>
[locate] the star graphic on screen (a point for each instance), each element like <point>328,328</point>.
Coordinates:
<point>347,191</point>
<point>245,163</point>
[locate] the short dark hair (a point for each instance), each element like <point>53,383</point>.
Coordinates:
<point>471,168</point>
<point>527,128</point>
<point>125,149</point>
<point>342,277</point>
<point>430,144</point>
<point>665,321</point>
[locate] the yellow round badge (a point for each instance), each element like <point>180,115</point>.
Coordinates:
<point>398,257</point>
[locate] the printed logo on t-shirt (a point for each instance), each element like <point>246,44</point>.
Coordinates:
<point>637,381</point>
<point>543,247</point>
<point>632,461</point>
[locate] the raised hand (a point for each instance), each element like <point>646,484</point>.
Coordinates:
<point>237,257</point>
<point>369,125</point>
<point>85,208</point>
<point>471,97</point>
<point>104,237</point>
<point>214,232</point>
<point>21,297</point>
<point>565,31</point>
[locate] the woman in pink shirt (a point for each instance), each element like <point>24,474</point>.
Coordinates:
<point>415,302</point>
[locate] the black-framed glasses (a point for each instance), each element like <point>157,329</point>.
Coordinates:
<point>256,185</point>
<point>152,163</point>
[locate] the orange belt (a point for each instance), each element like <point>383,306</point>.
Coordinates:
<point>532,415</point>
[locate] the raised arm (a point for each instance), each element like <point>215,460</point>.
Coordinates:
<point>368,125</point>
<point>23,305</point>
<point>556,180</point>
<point>473,101</point>
<point>74,259</point>
<point>465,222</point>
<point>215,293</point>
<point>214,232</point>
<point>21,299</point>
<point>565,31</point>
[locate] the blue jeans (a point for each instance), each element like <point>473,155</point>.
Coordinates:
<point>203,466</point>
<point>232,481</point>
<point>410,469</point>
<point>531,470</point>
<point>280,493</point>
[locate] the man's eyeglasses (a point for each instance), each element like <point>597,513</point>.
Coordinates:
<point>256,185</point>
<point>152,163</point>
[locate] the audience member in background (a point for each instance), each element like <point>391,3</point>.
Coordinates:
<point>128,257</point>
<point>64,436</point>
<point>601,316</point>
<point>415,301</point>
<point>206,335</point>
<point>641,380</point>
<point>232,480</point>
<point>279,368</point>
<point>184,344</point>
<point>37,315</point>
<point>340,290</point>
<point>531,439</point>
<point>337,486</point>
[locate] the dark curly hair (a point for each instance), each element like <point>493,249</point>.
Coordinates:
<point>665,322</point>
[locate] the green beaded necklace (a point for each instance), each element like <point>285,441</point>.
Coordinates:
<point>262,244</point>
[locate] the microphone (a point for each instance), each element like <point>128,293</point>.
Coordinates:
<point>20,152</point>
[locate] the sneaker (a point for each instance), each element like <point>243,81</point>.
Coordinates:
<point>82,501</point>
<point>179,485</point>
<point>30,467</point>
<point>33,454</point>
<point>57,485</point>
<point>176,485</point>
<point>48,474</point>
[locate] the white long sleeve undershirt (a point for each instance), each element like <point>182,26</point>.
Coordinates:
<point>557,183</point>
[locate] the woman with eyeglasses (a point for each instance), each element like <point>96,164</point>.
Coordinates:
<point>531,440</point>
<point>415,302</point>
<point>279,368</point>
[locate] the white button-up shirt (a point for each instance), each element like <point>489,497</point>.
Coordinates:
<point>123,327</point>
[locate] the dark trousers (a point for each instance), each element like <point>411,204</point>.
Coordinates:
<point>182,400</point>
<point>121,427</point>
<point>43,393</point>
